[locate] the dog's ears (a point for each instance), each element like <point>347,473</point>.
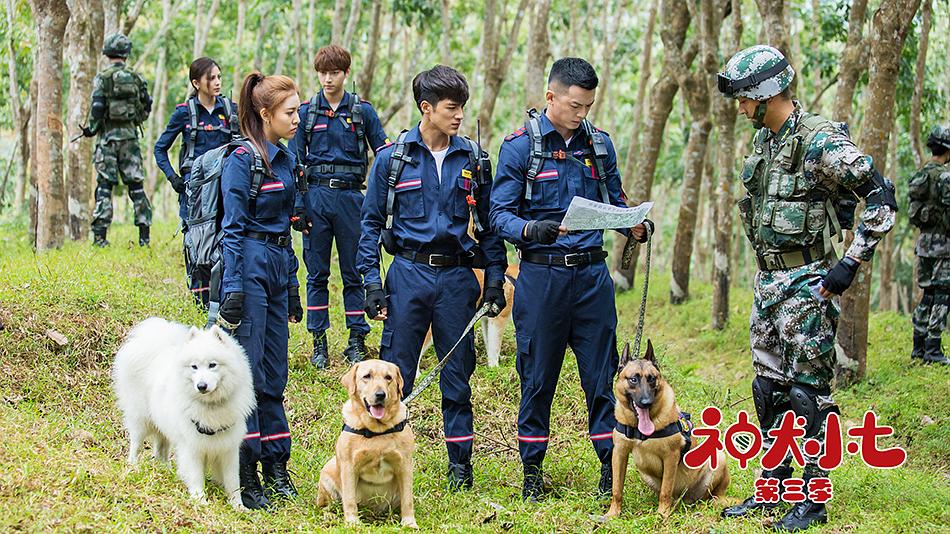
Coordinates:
<point>625,354</point>
<point>216,330</point>
<point>399,381</point>
<point>650,355</point>
<point>349,380</point>
<point>193,331</point>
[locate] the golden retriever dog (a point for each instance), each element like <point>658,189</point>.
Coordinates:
<point>646,406</point>
<point>373,462</point>
<point>493,328</point>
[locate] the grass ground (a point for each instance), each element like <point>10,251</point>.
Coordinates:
<point>62,446</point>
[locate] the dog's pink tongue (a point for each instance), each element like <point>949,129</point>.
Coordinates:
<point>644,423</point>
<point>377,411</point>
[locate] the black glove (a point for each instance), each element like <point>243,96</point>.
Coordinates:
<point>299,221</point>
<point>231,310</point>
<point>650,229</point>
<point>177,183</point>
<point>495,294</point>
<point>840,276</point>
<point>86,132</point>
<point>294,309</point>
<point>544,232</point>
<point>375,300</point>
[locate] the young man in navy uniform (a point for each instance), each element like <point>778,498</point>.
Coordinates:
<point>422,193</point>
<point>336,131</point>
<point>565,293</point>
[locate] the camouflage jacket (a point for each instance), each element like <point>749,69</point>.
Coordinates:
<point>108,128</point>
<point>829,160</point>
<point>934,241</point>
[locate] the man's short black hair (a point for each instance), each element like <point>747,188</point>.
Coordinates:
<point>439,83</point>
<point>569,71</point>
<point>937,149</point>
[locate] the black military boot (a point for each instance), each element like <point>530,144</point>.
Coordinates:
<point>356,349</point>
<point>918,351</point>
<point>750,505</point>
<point>143,235</point>
<point>99,238</point>
<point>606,485</point>
<point>933,353</point>
<point>460,476</point>
<point>252,494</point>
<point>277,483</point>
<point>321,355</point>
<point>802,515</point>
<point>533,487</point>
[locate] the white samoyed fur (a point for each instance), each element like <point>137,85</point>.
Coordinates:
<point>190,390</point>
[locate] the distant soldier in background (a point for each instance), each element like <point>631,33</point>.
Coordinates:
<point>120,104</point>
<point>930,211</point>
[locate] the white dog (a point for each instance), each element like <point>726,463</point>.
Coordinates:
<point>190,390</point>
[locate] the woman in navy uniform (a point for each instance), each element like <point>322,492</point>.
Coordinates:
<point>205,121</point>
<point>260,287</point>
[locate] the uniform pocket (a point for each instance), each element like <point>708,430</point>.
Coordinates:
<point>410,200</point>
<point>463,190</point>
<point>788,217</point>
<point>524,343</point>
<point>386,340</point>
<point>751,170</point>
<point>545,189</point>
<point>270,202</point>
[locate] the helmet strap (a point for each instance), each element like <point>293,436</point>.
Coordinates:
<point>758,119</point>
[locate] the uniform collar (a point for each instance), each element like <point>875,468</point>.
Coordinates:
<point>455,141</point>
<point>788,127</point>
<point>218,103</point>
<point>325,104</point>
<point>273,150</point>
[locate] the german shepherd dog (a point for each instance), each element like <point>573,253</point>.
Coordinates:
<point>645,402</point>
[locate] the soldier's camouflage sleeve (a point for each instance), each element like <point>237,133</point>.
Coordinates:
<point>834,155</point>
<point>94,124</point>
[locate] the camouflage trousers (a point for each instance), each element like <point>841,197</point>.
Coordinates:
<point>113,159</point>
<point>930,315</point>
<point>793,345</point>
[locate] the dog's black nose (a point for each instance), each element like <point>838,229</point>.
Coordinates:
<point>380,396</point>
<point>202,387</point>
<point>645,403</point>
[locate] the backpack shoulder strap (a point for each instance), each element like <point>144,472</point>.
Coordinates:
<point>397,162</point>
<point>356,115</point>
<point>192,137</point>
<point>233,125</point>
<point>475,159</point>
<point>599,146</point>
<point>536,161</point>
<point>309,122</point>
<point>258,171</point>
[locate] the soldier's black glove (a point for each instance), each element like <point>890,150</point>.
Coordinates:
<point>494,293</point>
<point>544,232</point>
<point>177,183</point>
<point>86,132</point>
<point>294,309</point>
<point>375,300</point>
<point>650,227</point>
<point>299,221</point>
<point>840,276</point>
<point>231,310</point>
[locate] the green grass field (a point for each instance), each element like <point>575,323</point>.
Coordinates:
<point>62,445</point>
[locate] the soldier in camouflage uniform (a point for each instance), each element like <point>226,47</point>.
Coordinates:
<point>120,103</point>
<point>929,194</point>
<point>799,181</point>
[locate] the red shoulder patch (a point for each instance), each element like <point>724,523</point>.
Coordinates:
<point>366,102</point>
<point>305,102</point>
<point>388,144</point>
<point>183,104</point>
<point>240,150</point>
<point>517,133</point>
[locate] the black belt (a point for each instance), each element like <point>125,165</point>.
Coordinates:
<point>329,168</point>
<point>281,240</point>
<point>573,259</point>
<point>437,260</point>
<point>791,259</point>
<point>334,183</point>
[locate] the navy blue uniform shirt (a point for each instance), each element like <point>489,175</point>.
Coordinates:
<point>213,131</point>
<point>333,139</point>
<point>558,182</point>
<point>269,213</point>
<point>430,215</point>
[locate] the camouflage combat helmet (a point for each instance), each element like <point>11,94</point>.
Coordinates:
<point>117,45</point>
<point>939,136</point>
<point>758,72</point>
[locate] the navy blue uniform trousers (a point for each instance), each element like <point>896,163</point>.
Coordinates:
<point>335,213</point>
<point>559,307</point>
<point>263,333</point>
<point>445,298</point>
